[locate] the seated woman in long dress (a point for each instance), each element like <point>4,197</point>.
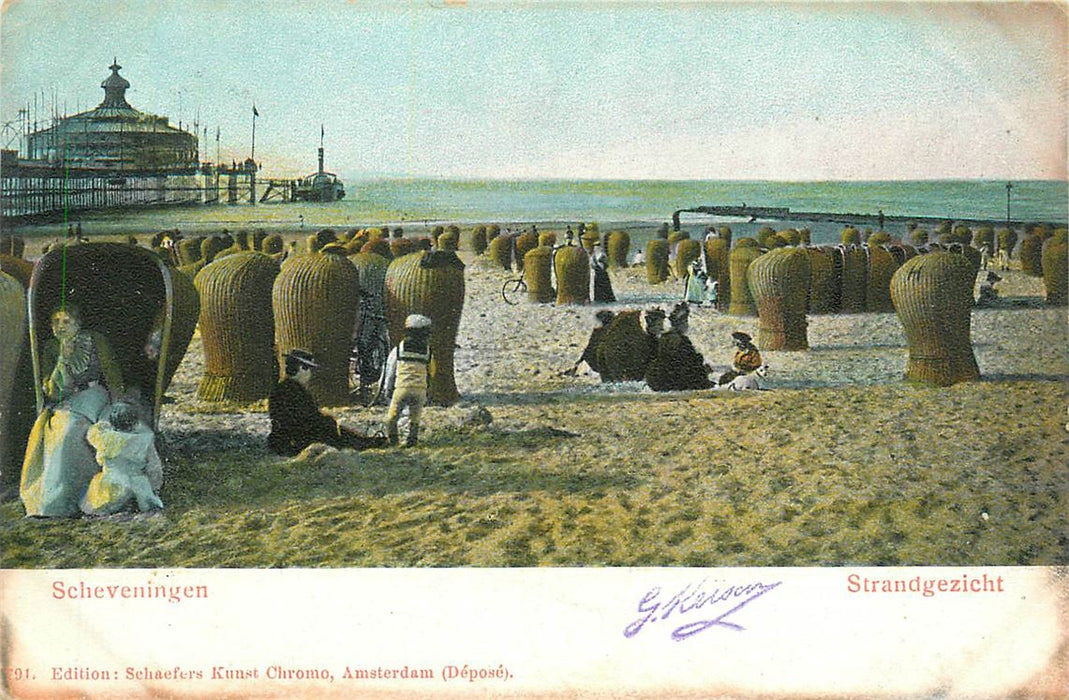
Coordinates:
<point>59,461</point>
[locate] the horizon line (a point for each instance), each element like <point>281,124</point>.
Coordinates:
<point>458,178</point>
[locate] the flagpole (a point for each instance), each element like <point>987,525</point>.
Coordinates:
<point>254,115</point>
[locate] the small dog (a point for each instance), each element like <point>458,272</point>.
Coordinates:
<point>745,382</point>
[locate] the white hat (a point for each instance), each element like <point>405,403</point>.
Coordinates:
<point>417,321</point>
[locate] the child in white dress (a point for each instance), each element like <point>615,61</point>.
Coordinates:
<point>131,469</point>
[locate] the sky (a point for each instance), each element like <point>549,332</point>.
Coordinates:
<point>571,90</point>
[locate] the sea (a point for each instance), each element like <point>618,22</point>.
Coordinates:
<point>415,203</point>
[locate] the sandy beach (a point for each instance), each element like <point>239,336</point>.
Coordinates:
<point>839,462</point>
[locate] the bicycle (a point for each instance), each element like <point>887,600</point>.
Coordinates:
<point>514,290</point>
<point>367,362</point>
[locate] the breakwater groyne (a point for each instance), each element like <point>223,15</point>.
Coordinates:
<point>874,220</point>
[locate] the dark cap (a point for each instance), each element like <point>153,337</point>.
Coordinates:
<point>741,337</point>
<point>303,357</point>
<point>605,316</point>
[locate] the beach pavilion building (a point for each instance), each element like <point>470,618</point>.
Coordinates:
<point>115,137</point>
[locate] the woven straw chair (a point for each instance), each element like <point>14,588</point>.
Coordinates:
<point>237,327</point>
<point>13,339</point>
<point>572,267</point>
<point>500,251</point>
<point>779,282</point>
<point>1031,254</point>
<point>687,251</point>
<point>823,282</point>
<point>657,261</point>
<point>741,302</point>
<point>933,296</point>
<point>429,283</point>
<point>852,280</point>
<point>525,243</point>
<point>619,249</point>
<point>18,268</point>
<point>127,294</point>
<point>316,301</point>
<point>538,274</point>
<point>1055,272</point>
<point>881,267</point>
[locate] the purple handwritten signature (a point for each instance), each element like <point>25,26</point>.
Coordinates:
<point>715,605</point>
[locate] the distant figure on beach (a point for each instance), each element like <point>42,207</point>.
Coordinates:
<point>569,237</point>
<point>604,318</point>
<point>747,358</point>
<point>297,422</point>
<point>985,257</point>
<point>599,272</point>
<point>676,364</point>
<point>406,378</point>
<point>881,219</point>
<point>696,285</point>
<point>988,295</point>
<point>1002,259</point>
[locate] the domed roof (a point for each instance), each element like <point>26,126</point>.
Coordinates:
<point>115,89</point>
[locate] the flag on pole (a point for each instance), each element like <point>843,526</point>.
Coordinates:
<point>254,112</point>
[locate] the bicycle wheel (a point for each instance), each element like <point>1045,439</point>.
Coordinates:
<point>513,291</point>
<point>379,353</point>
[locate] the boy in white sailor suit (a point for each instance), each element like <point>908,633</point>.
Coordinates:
<point>406,378</point>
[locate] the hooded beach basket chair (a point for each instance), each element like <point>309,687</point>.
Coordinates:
<point>12,340</point>
<point>430,283</point>
<point>131,297</point>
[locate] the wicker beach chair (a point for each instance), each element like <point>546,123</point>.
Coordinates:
<point>779,281</point>
<point>430,283</point>
<point>933,296</point>
<point>12,343</point>
<point>237,327</point>
<point>128,295</point>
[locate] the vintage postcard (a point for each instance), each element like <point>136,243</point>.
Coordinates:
<point>487,347</point>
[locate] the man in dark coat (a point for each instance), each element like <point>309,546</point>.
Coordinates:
<point>677,365</point>
<point>590,352</point>
<point>628,345</point>
<point>297,422</point>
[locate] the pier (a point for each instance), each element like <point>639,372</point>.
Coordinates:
<point>32,191</point>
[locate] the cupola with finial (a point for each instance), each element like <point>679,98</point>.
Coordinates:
<point>115,88</point>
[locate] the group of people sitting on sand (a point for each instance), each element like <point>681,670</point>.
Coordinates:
<point>633,345</point>
<point>297,422</point>
<point>92,451</point>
